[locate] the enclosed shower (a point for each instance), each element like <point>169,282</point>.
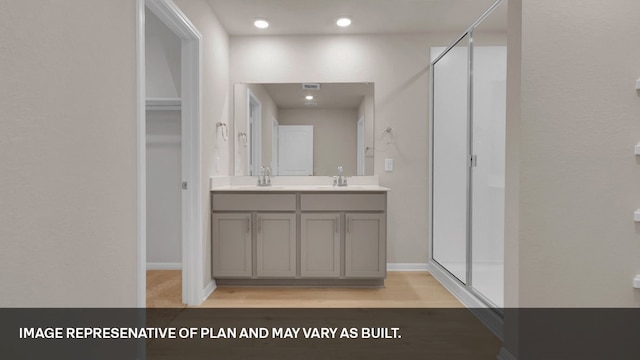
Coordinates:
<point>467,130</point>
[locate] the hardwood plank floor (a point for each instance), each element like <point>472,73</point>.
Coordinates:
<point>436,334</point>
<point>402,289</point>
<point>164,289</point>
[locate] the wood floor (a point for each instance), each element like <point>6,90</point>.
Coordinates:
<point>402,290</point>
<point>427,333</point>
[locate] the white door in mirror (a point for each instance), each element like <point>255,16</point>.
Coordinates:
<point>295,150</point>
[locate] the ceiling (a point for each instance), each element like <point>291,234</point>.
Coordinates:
<point>329,96</point>
<point>316,17</point>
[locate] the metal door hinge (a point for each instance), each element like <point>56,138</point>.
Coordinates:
<point>184,185</point>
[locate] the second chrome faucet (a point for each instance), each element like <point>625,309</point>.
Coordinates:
<point>265,176</point>
<point>340,179</point>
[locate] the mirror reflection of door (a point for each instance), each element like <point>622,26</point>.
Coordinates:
<point>360,145</point>
<point>254,120</point>
<point>295,150</point>
<point>274,146</point>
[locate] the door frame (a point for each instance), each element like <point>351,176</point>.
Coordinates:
<point>254,131</point>
<point>275,125</point>
<point>360,146</point>
<point>191,45</point>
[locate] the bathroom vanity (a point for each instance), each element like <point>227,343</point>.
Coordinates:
<point>300,235</point>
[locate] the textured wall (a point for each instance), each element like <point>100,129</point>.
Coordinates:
<point>67,153</point>
<point>579,179</point>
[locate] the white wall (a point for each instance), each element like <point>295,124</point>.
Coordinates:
<point>68,153</point>
<point>579,179</point>
<point>334,137</point>
<point>164,194</point>
<point>162,56</point>
<point>164,171</point>
<point>214,108</point>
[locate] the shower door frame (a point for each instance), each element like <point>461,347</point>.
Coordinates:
<point>464,291</point>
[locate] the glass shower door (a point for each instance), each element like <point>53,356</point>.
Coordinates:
<point>450,168</point>
<point>488,175</point>
<point>468,122</point>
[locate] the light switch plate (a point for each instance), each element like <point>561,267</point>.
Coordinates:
<point>388,164</point>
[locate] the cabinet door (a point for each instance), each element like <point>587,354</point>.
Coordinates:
<point>276,237</point>
<point>365,245</point>
<point>320,245</point>
<point>231,245</point>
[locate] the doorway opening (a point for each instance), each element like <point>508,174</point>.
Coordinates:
<point>182,117</point>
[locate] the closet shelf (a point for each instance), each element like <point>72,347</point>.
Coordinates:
<point>164,103</point>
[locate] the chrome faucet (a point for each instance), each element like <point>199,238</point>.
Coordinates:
<point>340,180</point>
<point>265,176</point>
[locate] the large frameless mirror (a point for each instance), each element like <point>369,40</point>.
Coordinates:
<point>306,129</point>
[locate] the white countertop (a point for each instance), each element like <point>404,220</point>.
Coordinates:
<point>302,188</point>
<point>296,184</point>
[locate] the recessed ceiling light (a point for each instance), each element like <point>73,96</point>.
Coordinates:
<point>261,23</point>
<point>343,22</point>
<point>309,97</point>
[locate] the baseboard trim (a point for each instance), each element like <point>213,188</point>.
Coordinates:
<point>208,290</point>
<point>505,355</point>
<point>368,283</point>
<point>407,267</point>
<point>164,266</point>
<point>491,320</point>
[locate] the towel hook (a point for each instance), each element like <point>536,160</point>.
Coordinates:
<point>243,138</point>
<point>225,130</point>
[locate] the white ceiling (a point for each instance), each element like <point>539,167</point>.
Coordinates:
<point>329,96</point>
<point>314,17</point>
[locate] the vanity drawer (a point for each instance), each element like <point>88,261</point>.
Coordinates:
<point>343,202</point>
<point>253,202</point>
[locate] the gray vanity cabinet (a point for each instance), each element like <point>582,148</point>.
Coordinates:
<point>253,235</point>
<point>232,246</point>
<point>276,244</point>
<point>365,245</point>
<point>312,238</point>
<point>320,245</point>
<point>364,233</point>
